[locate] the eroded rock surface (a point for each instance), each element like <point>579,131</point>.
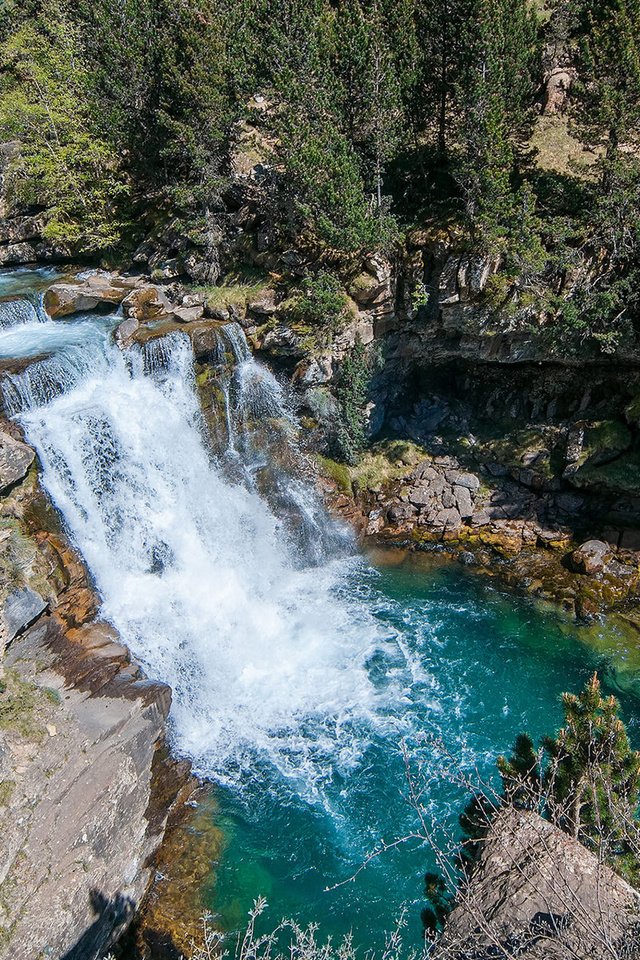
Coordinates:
<point>538,894</point>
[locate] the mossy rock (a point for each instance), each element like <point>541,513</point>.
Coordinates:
<point>605,441</point>
<point>632,411</point>
<point>620,476</point>
<point>338,472</point>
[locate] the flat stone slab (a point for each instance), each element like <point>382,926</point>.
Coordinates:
<point>21,609</point>
<point>15,460</point>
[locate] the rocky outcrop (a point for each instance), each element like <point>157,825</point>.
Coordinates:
<point>98,290</point>
<point>77,768</point>
<point>15,460</point>
<point>538,894</point>
<point>526,534</point>
<point>85,780</point>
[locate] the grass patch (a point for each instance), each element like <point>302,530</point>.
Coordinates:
<point>237,289</point>
<point>52,696</point>
<point>386,462</point>
<point>558,151</point>
<point>6,792</point>
<point>18,704</point>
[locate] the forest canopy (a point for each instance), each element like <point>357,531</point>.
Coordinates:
<point>385,116</point>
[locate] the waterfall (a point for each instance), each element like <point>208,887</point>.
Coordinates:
<point>242,612</point>
<point>22,310</point>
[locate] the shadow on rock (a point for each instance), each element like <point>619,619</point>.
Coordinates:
<point>112,915</point>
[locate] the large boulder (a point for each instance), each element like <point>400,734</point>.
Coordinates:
<point>538,894</point>
<point>86,791</point>
<point>97,291</point>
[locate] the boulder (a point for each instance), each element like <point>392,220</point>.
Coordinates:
<point>188,314</point>
<point>147,304</point>
<point>97,291</point>
<point>420,495</point>
<point>591,557</point>
<point>125,334</point>
<point>15,460</point>
<point>20,610</point>
<point>264,305</point>
<point>538,894</point>
<point>468,480</point>
<point>463,500</point>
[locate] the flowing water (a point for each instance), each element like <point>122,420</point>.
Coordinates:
<point>298,668</point>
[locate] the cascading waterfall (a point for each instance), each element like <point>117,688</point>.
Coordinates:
<point>202,579</point>
<point>295,667</point>
<point>22,310</point>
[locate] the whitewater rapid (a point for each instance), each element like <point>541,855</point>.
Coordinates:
<point>268,650</point>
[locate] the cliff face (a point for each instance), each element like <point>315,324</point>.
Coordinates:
<point>82,758</point>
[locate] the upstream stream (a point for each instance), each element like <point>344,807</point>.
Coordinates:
<point>298,667</point>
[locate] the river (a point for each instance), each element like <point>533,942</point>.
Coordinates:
<point>302,672</point>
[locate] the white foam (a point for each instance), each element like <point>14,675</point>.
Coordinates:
<point>197,573</point>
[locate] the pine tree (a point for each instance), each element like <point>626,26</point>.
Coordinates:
<point>607,91</point>
<point>64,165</point>
<point>370,96</point>
<point>593,778</point>
<point>442,28</point>
<point>521,774</point>
<point>495,91</point>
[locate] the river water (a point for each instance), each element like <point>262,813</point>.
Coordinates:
<point>299,668</point>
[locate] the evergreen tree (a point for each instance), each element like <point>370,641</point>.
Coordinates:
<point>521,774</point>
<point>370,96</point>
<point>593,778</point>
<point>442,28</point>
<point>607,91</point>
<point>63,165</point>
<point>502,57</point>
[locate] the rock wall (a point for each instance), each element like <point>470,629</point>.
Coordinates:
<point>85,780</point>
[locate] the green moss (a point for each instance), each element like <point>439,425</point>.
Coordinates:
<point>6,791</point>
<point>338,472</point>
<point>236,290</point>
<point>605,440</point>
<point>52,696</point>
<point>18,703</point>
<point>619,476</point>
<point>385,462</point>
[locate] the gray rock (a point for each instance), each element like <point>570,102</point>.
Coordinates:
<point>264,305</point>
<point>448,518</point>
<point>15,460</point>
<point>468,480</point>
<point>537,887</point>
<point>424,471</point>
<point>463,500</point>
<point>420,495</point>
<point>188,314</point>
<point>591,557</point>
<point>399,512</point>
<point>126,330</point>
<point>448,499</point>
<point>21,609</point>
